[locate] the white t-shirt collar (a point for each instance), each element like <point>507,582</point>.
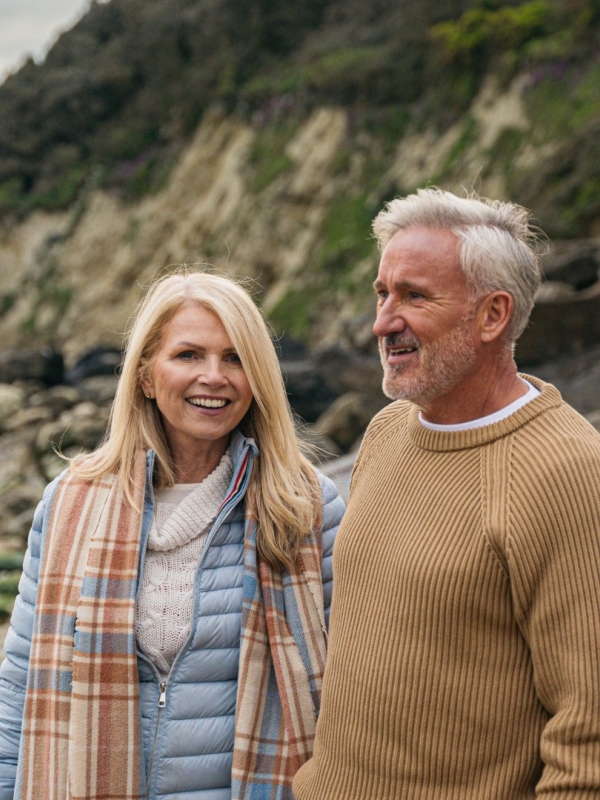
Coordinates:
<point>490,419</point>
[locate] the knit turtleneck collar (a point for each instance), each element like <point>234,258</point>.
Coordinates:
<point>464,440</point>
<point>196,512</point>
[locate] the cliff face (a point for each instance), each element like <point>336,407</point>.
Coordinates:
<point>287,202</point>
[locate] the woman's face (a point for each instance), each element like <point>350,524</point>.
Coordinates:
<point>198,382</point>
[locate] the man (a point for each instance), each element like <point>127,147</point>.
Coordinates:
<point>464,653</point>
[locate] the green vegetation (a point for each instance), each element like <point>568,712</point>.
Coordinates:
<point>268,158</point>
<point>481,31</point>
<point>11,561</point>
<point>345,241</point>
<point>467,135</point>
<point>345,235</point>
<point>563,102</point>
<point>295,313</point>
<point>343,75</point>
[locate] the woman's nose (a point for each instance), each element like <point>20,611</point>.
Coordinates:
<point>211,372</point>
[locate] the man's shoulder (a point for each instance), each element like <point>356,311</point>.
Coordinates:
<point>560,434</point>
<point>385,428</point>
<point>394,413</point>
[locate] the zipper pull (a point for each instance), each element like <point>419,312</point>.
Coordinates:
<point>162,699</point>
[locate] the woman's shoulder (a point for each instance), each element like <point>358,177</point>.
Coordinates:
<point>333,504</point>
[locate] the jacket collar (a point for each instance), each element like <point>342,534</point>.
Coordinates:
<point>239,445</point>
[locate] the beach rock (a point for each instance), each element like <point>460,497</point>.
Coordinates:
<point>45,365</point>
<point>307,391</point>
<point>555,329</point>
<point>11,400</point>
<point>347,418</point>
<point>576,263</point>
<point>95,361</point>
<point>348,370</point>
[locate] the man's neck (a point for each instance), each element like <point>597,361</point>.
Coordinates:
<point>478,395</point>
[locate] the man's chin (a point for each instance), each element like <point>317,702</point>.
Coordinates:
<point>397,391</point>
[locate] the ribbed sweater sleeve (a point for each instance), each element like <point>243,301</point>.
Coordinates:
<point>552,555</point>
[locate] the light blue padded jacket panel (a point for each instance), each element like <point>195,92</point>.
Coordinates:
<point>17,647</point>
<point>190,745</point>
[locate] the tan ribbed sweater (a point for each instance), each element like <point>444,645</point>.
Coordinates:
<point>464,653</point>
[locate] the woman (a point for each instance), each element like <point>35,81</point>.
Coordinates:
<point>169,637</point>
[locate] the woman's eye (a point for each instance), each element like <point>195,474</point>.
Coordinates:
<point>187,355</point>
<point>233,358</point>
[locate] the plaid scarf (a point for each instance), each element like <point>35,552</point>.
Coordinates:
<point>282,659</point>
<point>80,738</point>
<point>80,735</point>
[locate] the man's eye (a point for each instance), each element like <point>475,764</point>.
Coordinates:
<point>415,296</point>
<point>381,295</point>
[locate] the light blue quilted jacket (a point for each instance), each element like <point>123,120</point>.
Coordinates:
<point>187,724</point>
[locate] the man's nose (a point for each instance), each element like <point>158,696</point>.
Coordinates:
<point>388,320</point>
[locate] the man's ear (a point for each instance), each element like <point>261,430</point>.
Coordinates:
<point>495,311</point>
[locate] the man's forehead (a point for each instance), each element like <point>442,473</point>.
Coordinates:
<point>415,253</point>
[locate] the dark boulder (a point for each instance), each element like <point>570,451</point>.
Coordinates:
<point>348,370</point>
<point>307,391</point>
<point>567,327</point>
<point>44,366</point>
<point>576,263</point>
<point>95,361</point>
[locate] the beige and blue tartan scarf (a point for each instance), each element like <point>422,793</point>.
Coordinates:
<point>282,660</point>
<point>81,724</point>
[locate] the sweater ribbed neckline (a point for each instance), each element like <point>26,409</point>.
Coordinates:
<point>447,441</point>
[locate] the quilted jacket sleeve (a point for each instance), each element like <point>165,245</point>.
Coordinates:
<point>17,647</point>
<point>333,511</point>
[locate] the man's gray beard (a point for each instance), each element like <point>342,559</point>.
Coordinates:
<point>442,366</point>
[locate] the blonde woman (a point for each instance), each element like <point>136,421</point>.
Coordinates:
<point>169,636</point>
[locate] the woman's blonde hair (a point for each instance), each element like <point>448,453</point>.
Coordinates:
<point>284,493</point>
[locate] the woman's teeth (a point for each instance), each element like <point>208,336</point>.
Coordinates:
<point>206,403</point>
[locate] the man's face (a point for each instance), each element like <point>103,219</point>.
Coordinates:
<point>425,316</point>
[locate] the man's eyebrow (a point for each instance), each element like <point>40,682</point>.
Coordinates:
<point>410,285</point>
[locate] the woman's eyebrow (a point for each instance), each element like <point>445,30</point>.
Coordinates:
<point>193,346</point>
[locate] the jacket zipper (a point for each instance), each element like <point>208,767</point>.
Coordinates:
<point>162,697</point>
<point>162,685</point>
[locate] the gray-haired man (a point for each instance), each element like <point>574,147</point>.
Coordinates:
<point>464,657</point>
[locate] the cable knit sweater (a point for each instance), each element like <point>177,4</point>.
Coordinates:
<point>464,651</point>
<point>175,543</point>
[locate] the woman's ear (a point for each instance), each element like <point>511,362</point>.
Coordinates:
<point>496,311</point>
<point>145,381</point>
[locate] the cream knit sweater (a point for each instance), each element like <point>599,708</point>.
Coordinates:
<point>175,544</point>
<point>464,651</point>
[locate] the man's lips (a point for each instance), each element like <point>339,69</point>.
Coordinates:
<point>396,348</point>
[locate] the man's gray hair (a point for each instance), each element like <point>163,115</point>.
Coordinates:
<point>499,247</point>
